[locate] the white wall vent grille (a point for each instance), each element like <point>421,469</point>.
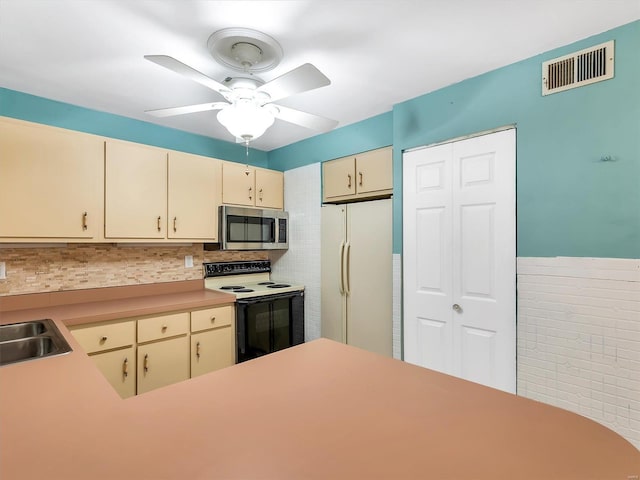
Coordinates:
<point>577,69</point>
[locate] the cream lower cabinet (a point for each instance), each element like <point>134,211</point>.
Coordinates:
<point>163,351</point>
<point>140,355</point>
<point>162,363</point>
<point>212,339</point>
<point>51,183</point>
<point>111,346</point>
<point>119,368</point>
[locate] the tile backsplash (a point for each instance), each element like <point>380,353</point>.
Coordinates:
<point>78,266</point>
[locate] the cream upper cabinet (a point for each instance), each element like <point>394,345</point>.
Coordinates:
<point>51,183</point>
<point>238,184</point>
<point>338,178</point>
<point>269,189</point>
<point>363,176</point>
<point>194,195</point>
<point>251,186</point>
<point>135,191</point>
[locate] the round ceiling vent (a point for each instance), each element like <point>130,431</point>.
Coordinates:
<point>245,50</point>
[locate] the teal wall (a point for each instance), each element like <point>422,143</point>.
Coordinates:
<point>375,132</point>
<point>570,202</point>
<point>41,110</point>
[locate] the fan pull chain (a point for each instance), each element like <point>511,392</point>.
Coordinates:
<point>246,144</point>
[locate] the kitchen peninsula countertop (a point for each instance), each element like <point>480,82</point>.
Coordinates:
<point>320,410</point>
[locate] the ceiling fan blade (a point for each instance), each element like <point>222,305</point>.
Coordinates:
<point>302,79</point>
<point>304,119</point>
<point>201,107</point>
<point>179,67</point>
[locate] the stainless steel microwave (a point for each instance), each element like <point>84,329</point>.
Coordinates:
<point>253,229</point>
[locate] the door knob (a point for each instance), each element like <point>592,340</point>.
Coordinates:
<point>457,308</point>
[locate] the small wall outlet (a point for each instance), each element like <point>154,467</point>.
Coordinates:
<point>3,271</point>
<point>188,261</point>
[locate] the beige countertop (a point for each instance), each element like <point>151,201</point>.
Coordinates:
<point>321,410</point>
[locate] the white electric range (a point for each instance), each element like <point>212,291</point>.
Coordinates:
<point>246,279</point>
<point>269,313</point>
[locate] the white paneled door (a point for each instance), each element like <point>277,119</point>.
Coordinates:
<point>459,257</point>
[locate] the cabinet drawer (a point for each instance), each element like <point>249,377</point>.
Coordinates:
<point>211,318</point>
<point>105,336</point>
<point>155,328</point>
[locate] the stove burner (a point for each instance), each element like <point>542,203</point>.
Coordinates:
<point>243,290</point>
<point>278,285</point>
<point>266,283</point>
<point>231,287</point>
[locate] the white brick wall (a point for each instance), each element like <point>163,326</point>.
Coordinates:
<point>579,338</point>
<point>301,263</point>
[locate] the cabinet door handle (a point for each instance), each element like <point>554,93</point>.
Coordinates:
<point>250,193</point>
<point>159,227</point>
<point>198,349</point>
<point>175,224</point>
<point>349,177</point>
<point>260,192</point>
<point>360,183</point>
<point>125,368</point>
<point>84,220</point>
<point>146,362</point>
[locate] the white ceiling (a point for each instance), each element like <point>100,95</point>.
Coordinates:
<point>377,53</point>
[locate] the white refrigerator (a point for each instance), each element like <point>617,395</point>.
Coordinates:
<point>357,274</point>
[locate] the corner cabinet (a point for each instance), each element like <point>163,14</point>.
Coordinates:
<point>363,176</point>
<point>252,186</point>
<point>51,183</point>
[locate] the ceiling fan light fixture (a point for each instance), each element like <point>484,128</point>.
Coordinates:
<point>246,120</point>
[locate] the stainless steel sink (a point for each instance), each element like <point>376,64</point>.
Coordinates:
<point>16,331</point>
<point>30,340</point>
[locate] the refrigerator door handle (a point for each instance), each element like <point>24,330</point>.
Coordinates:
<point>347,286</point>
<point>341,282</point>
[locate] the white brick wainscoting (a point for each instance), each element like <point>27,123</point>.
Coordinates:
<point>579,338</point>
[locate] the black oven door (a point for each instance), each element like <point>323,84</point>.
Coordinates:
<point>269,323</point>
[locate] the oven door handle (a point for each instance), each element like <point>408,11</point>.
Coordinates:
<point>268,298</point>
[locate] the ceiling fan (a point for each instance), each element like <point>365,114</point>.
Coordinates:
<point>249,109</point>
